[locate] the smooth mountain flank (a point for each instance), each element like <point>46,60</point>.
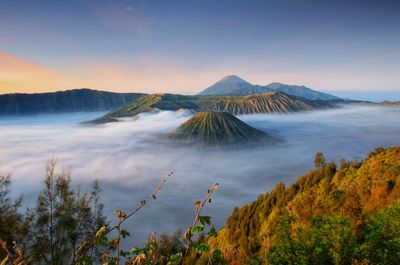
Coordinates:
<point>225,86</point>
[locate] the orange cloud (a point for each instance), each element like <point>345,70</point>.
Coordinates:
<point>147,75</point>
<point>155,75</point>
<point>21,75</point>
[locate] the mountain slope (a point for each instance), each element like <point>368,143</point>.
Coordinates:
<point>389,103</point>
<point>274,102</point>
<point>299,217</point>
<point>225,86</point>
<point>217,128</point>
<point>64,101</point>
<point>235,86</point>
<point>301,91</point>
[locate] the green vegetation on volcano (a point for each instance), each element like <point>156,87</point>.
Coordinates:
<point>217,128</point>
<point>273,102</point>
<point>344,215</point>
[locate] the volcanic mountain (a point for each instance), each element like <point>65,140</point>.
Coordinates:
<point>235,86</point>
<point>226,85</point>
<point>273,102</point>
<point>218,128</point>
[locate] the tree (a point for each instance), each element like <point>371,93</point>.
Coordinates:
<point>319,160</point>
<point>382,242</point>
<point>328,240</point>
<point>62,220</point>
<point>13,225</point>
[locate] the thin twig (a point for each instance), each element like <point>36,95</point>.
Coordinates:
<point>197,215</point>
<point>142,204</point>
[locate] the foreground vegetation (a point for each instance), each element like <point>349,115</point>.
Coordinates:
<point>345,214</point>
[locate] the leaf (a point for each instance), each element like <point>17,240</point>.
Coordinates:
<point>198,228</point>
<point>135,250</point>
<point>101,241</point>
<point>124,233</point>
<point>153,197</point>
<point>209,200</point>
<point>124,253</point>
<point>217,253</point>
<point>115,242</point>
<point>120,214</point>
<point>100,231</point>
<point>202,248</point>
<point>205,220</point>
<point>212,234</point>
<point>176,258</point>
<point>188,234</point>
<point>85,261</point>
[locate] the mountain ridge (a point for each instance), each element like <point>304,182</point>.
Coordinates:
<point>239,87</point>
<point>82,99</point>
<point>273,102</point>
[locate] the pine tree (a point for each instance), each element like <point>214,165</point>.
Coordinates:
<point>63,219</point>
<point>13,225</point>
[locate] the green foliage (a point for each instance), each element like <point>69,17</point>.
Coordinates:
<point>320,205</point>
<point>319,161</point>
<point>13,225</point>
<point>328,240</point>
<point>382,242</point>
<point>349,215</point>
<point>64,221</point>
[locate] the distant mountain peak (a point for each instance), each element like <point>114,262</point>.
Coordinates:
<point>233,79</point>
<point>225,85</point>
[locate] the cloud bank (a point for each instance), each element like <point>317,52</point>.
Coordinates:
<point>129,158</point>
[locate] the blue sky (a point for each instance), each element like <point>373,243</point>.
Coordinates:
<point>342,47</point>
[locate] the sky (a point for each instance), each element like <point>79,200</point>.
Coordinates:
<point>348,48</point>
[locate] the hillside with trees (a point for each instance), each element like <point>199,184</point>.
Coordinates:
<point>345,214</point>
<point>335,214</point>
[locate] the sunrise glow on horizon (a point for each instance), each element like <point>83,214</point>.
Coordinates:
<point>184,46</point>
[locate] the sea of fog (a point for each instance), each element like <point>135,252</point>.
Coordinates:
<point>130,157</point>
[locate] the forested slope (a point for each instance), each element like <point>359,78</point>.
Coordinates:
<point>328,216</point>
